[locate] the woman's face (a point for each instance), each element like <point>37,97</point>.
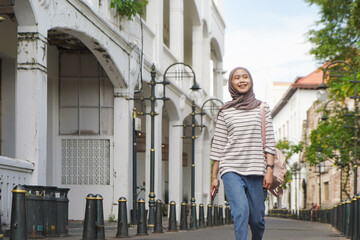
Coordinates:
<point>241,81</point>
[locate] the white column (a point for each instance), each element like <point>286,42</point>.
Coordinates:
<point>175,165</point>
<point>206,168</point>
<point>122,147</point>
<point>197,54</point>
<point>218,80</point>
<point>158,151</point>
<point>199,144</point>
<point>206,65</point>
<point>31,102</point>
<point>154,19</point>
<point>177,28</point>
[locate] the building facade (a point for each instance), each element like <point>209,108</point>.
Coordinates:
<point>69,70</point>
<point>288,117</point>
<point>327,185</point>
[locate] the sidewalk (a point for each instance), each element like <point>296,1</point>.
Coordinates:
<point>276,229</point>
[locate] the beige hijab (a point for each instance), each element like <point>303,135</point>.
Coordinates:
<point>241,101</point>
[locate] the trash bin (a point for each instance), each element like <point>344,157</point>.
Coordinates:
<point>49,211</point>
<point>62,212</point>
<point>34,211</point>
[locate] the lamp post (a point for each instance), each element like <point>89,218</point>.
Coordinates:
<point>323,87</point>
<point>152,114</point>
<point>212,101</point>
<point>296,169</point>
<point>319,156</point>
<point>325,117</point>
<point>180,75</point>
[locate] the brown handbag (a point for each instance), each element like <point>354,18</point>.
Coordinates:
<point>279,171</point>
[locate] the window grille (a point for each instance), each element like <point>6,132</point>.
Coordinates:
<point>85,161</point>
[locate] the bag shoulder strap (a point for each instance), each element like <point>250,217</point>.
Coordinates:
<point>263,129</point>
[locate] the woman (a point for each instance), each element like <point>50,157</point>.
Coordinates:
<point>238,153</point>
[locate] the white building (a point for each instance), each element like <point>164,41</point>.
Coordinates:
<point>288,116</point>
<point>67,69</point>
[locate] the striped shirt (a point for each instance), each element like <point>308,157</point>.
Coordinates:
<point>237,142</point>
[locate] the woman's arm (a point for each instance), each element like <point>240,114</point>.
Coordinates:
<point>268,178</point>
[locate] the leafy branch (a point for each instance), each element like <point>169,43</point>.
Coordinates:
<point>289,149</point>
<point>129,8</point>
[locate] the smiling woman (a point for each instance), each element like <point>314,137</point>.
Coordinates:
<point>238,155</point>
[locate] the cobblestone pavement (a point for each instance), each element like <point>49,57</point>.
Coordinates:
<point>276,229</point>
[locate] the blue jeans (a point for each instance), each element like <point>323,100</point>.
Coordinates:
<point>247,202</point>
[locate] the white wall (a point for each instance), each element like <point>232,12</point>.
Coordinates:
<point>290,120</point>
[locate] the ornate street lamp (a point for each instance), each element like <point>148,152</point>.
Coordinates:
<point>214,107</point>
<point>319,156</point>
<point>296,168</point>
<point>325,117</point>
<point>179,75</point>
<point>152,114</point>
<point>322,89</point>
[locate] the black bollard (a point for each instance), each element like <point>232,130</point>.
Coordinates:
<point>100,225</point>
<point>158,217</point>
<point>227,214</point>
<point>183,216</point>
<point>193,220</point>
<point>18,214</point>
<point>209,218</point>
<point>172,217</point>
<point>141,218</point>
<point>357,227</point>
<point>221,215</point>
<point>122,226</point>
<point>89,231</point>
<point>201,216</point>
<point>355,219</point>
<point>1,232</point>
<point>216,215</point>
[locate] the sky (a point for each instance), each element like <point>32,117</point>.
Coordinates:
<point>268,37</point>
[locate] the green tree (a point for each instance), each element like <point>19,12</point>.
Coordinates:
<point>332,139</point>
<point>336,36</point>
<point>337,33</point>
<point>129,8</point>
<point>289,149</point>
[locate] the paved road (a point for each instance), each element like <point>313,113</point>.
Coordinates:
<point>276,229</point>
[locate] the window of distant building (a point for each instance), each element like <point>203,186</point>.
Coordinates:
<point>326,191</point>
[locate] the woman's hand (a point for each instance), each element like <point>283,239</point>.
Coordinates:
<point>214,184</point>
<point>268,179</point>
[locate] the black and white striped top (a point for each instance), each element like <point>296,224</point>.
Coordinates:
<point>237,142</point>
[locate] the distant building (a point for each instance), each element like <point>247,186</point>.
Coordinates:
<point>335,184</point>
<point>274,93</point>
<point>67,69</point>
<point>288,116</point>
